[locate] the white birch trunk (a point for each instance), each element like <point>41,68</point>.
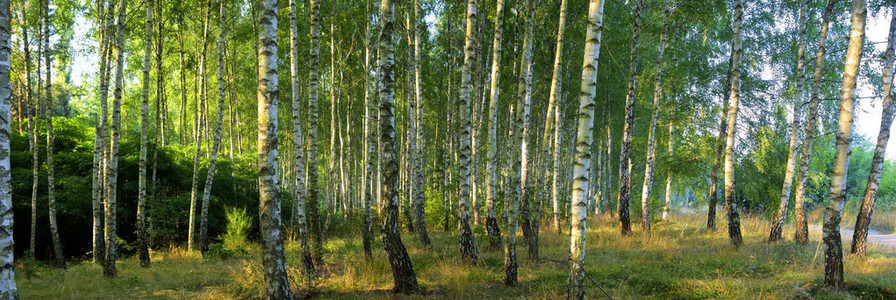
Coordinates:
<point>584,136</point>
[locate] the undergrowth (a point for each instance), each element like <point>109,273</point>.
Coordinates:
<point>680,261</point>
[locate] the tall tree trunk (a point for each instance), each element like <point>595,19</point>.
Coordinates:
<point>331,175</point>
<point>651,139</point>
<point>518,160</point>
<point>299,221</point>
<point>183,84</point>
<point>863,219</point>
<point>833,250</point>
<point>313,128</point>
<point>734,236</point>
<point>51,179</point>
<point>403,275</point>
<point>584,136</point>
<point>801,234</point>
<point>200,112</point>
<point>369,151</point>
<point>667,209</point>
<point>530,232</point>
<point>97,213</point>
<point>720,152</point>
<point>276,280</point>
<point>210,175</point>
<point>142,250</point>
<point>417,177</point>
<point>111,179</point>
<point>8,288</point>
<point>161,103</point>
<point>625,164</point>
<point>554,108</point>
<point>468,248</point>
<point>411,123</point>
<point>778,222</point>
<point>102,133</point>
<point>33,108</point>
<point>491,219</point>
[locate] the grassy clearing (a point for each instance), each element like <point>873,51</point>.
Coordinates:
<point>679,262</point>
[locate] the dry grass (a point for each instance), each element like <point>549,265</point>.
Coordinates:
<point>680,261</point>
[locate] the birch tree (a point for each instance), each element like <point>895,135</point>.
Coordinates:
<point>369,150</point>
<point>191,240</point>
<point>491,219</point>
<point>801,234</point>
<point>276,280</point>
<point>210,176</point>
<point>299,221</point>
<point>625,163</point>
<point>863,219</point>
<point>111,178</point>
<point>734,236</point>
<point>32,136</point>
<point>313,127</point>
<point>468,249</point>
<point>651,139</point>
<point>58,256</point>
<point>833,250</point>
<point>106,41</point>
<point>524,97</point>
<point>554,107</point>
<point>417,178</point>
<point>517,162</point>
<point>142,250</point>
<point>778,223</point>
<point>584,135</point>
<point>403,275</point>
<point>8,288</point>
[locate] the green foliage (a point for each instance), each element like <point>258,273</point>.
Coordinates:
<point>238,226</point>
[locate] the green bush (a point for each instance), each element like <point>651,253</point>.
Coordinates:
<point>239,223</point>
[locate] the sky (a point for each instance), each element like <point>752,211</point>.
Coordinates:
<point>867,112</point>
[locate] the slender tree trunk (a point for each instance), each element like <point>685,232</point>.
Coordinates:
<point>554,108</point>
<point>491,219</point>
<point>405,279</point>
<point>651,139</point>
<point>8,288</point>
<point>183,84</point>
<point>210,176</point>
<point>667,209</point>
<point>530,233</point>
<point>778,222</point>
<point>142,250</point>
<point>468,248</point>
<point>801,234</point>
<point>58,256</point>
<point>98,243</point>
<point>299,221</point>
<point>276,280</point>
<point>369,150</point>
<point>313,128</point>
<point>833,250</point>
<point>584,136</point>
<point>419,205</point>
<point>863,219</point>
<point>200,112</point>
<point>720,151</point>
<point>734,236</point>
<point>625,163</point>
<point>161,103</point>
<point>33,107</point>
<point>105,68</point>
<point>111,178</point>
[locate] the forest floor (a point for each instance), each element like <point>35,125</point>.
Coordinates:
<point>680,261</point>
